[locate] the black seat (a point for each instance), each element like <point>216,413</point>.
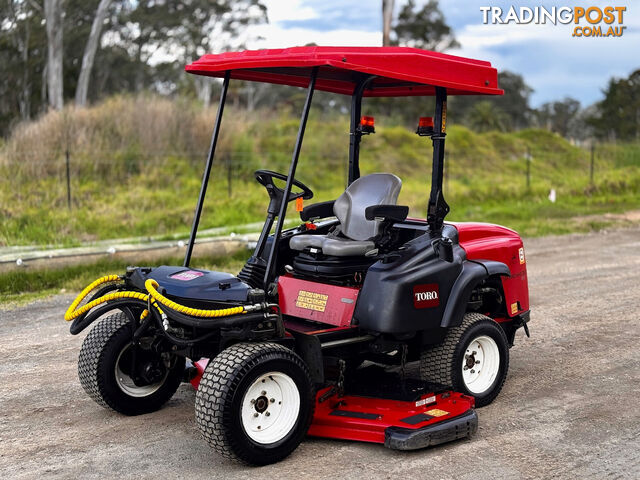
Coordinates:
<point>354,236</point>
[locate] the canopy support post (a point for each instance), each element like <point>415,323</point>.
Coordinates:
<point>355,134</point>
<point>207,170</point>
<point>438,207</point>
<point>273,254</point>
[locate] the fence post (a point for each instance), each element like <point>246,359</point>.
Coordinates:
<point>229,175</point>
<point>528,159</point>
<point>66,154</point>
<point>593,154</point>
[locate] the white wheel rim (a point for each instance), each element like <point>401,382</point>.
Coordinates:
<point>480,364</point>
<point>270,407</point>
<point>126,384</point>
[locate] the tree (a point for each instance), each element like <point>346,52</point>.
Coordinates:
<point>618,115</point>
<point>90,49</point>
<point>485,116</point>
<point>425,28</point>
<point>387,18</point>
<point>215,26</point>
<point>55,52</point>
<point>23,56</point>
<point>514,104</point>
<point>515,101</point>
<point>558,116</point>
<point>182,30</point>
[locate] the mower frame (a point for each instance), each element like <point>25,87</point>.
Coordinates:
<point>468,284</point>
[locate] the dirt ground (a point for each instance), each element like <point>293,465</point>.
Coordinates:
<point>569,408</point>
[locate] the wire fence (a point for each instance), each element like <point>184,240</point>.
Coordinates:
<point>233,168</point>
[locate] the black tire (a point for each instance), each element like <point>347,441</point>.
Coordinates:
<point>219,401</point>
<point>444,363</point>
<point>105,349</point>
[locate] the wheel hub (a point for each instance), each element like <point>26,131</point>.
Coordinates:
<point>481,364</point>
<point>471,361</point>
<point>148,374</point>
<point>270,407</point>
<point>151,372</point>
<point>261,404</point>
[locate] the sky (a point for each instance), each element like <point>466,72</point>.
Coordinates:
<point>552,62</point>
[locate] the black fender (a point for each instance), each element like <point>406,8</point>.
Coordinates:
<point>473,272</point>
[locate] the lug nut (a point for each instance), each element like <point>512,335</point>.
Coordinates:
<point>253,400</point>
<point>272,400</point>
<point>473,371</point>
<point>263,392</point>
<point>267,414</point>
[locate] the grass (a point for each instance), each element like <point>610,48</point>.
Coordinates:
<point>19,286</point>
<point>130,181</point>
<point>136,165</point>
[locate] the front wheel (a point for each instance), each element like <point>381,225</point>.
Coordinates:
<point>124,377</point>
<point>255,402</point>
<point>473,359</point>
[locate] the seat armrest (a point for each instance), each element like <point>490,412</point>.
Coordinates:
<point>317,210</point>
<point>388,213</point>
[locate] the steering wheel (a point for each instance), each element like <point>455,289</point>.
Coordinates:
<point>276,194</point>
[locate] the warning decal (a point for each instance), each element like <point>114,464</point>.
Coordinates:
<point>312,300</point>
<point>436,412</point>
<point>186,275</point>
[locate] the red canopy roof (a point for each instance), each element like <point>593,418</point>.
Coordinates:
<point>400,71</point>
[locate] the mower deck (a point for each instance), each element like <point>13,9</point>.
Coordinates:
<point>380,407</point>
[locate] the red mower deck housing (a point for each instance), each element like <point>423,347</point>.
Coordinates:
<point>406,417</point>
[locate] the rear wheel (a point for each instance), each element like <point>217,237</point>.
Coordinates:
<point>255,402</point>
<point>473,359</point>
<point>124,377</point>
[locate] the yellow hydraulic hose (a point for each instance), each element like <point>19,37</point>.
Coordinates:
<point>74,312</point>
<point>151,286</point>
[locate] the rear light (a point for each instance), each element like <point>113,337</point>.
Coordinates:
<point>425,126</point>
<point>367,125</point>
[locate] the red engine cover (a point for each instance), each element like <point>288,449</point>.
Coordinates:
<point>483,241</point>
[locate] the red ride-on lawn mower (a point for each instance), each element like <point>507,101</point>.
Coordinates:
<point>313,335</point>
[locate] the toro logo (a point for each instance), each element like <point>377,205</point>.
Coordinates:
<point>426,296</point>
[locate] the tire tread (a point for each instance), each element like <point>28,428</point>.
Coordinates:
<point>220,380</point>
<point>437,363</point>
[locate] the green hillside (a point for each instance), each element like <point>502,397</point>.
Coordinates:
<point>136,164</point>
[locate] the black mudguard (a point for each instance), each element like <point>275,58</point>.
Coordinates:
<point>387,302</point>
<point>473,272</point>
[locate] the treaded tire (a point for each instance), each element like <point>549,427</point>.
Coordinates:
<point>100,351</point>
<point>443,363</point>
<point>226,380</point>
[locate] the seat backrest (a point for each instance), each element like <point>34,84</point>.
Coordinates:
<point>367,191</point>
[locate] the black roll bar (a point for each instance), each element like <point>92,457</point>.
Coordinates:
<point>438,207</point>
<point>207,170</point>
<point>273,254</point>
<point>355,134</point>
